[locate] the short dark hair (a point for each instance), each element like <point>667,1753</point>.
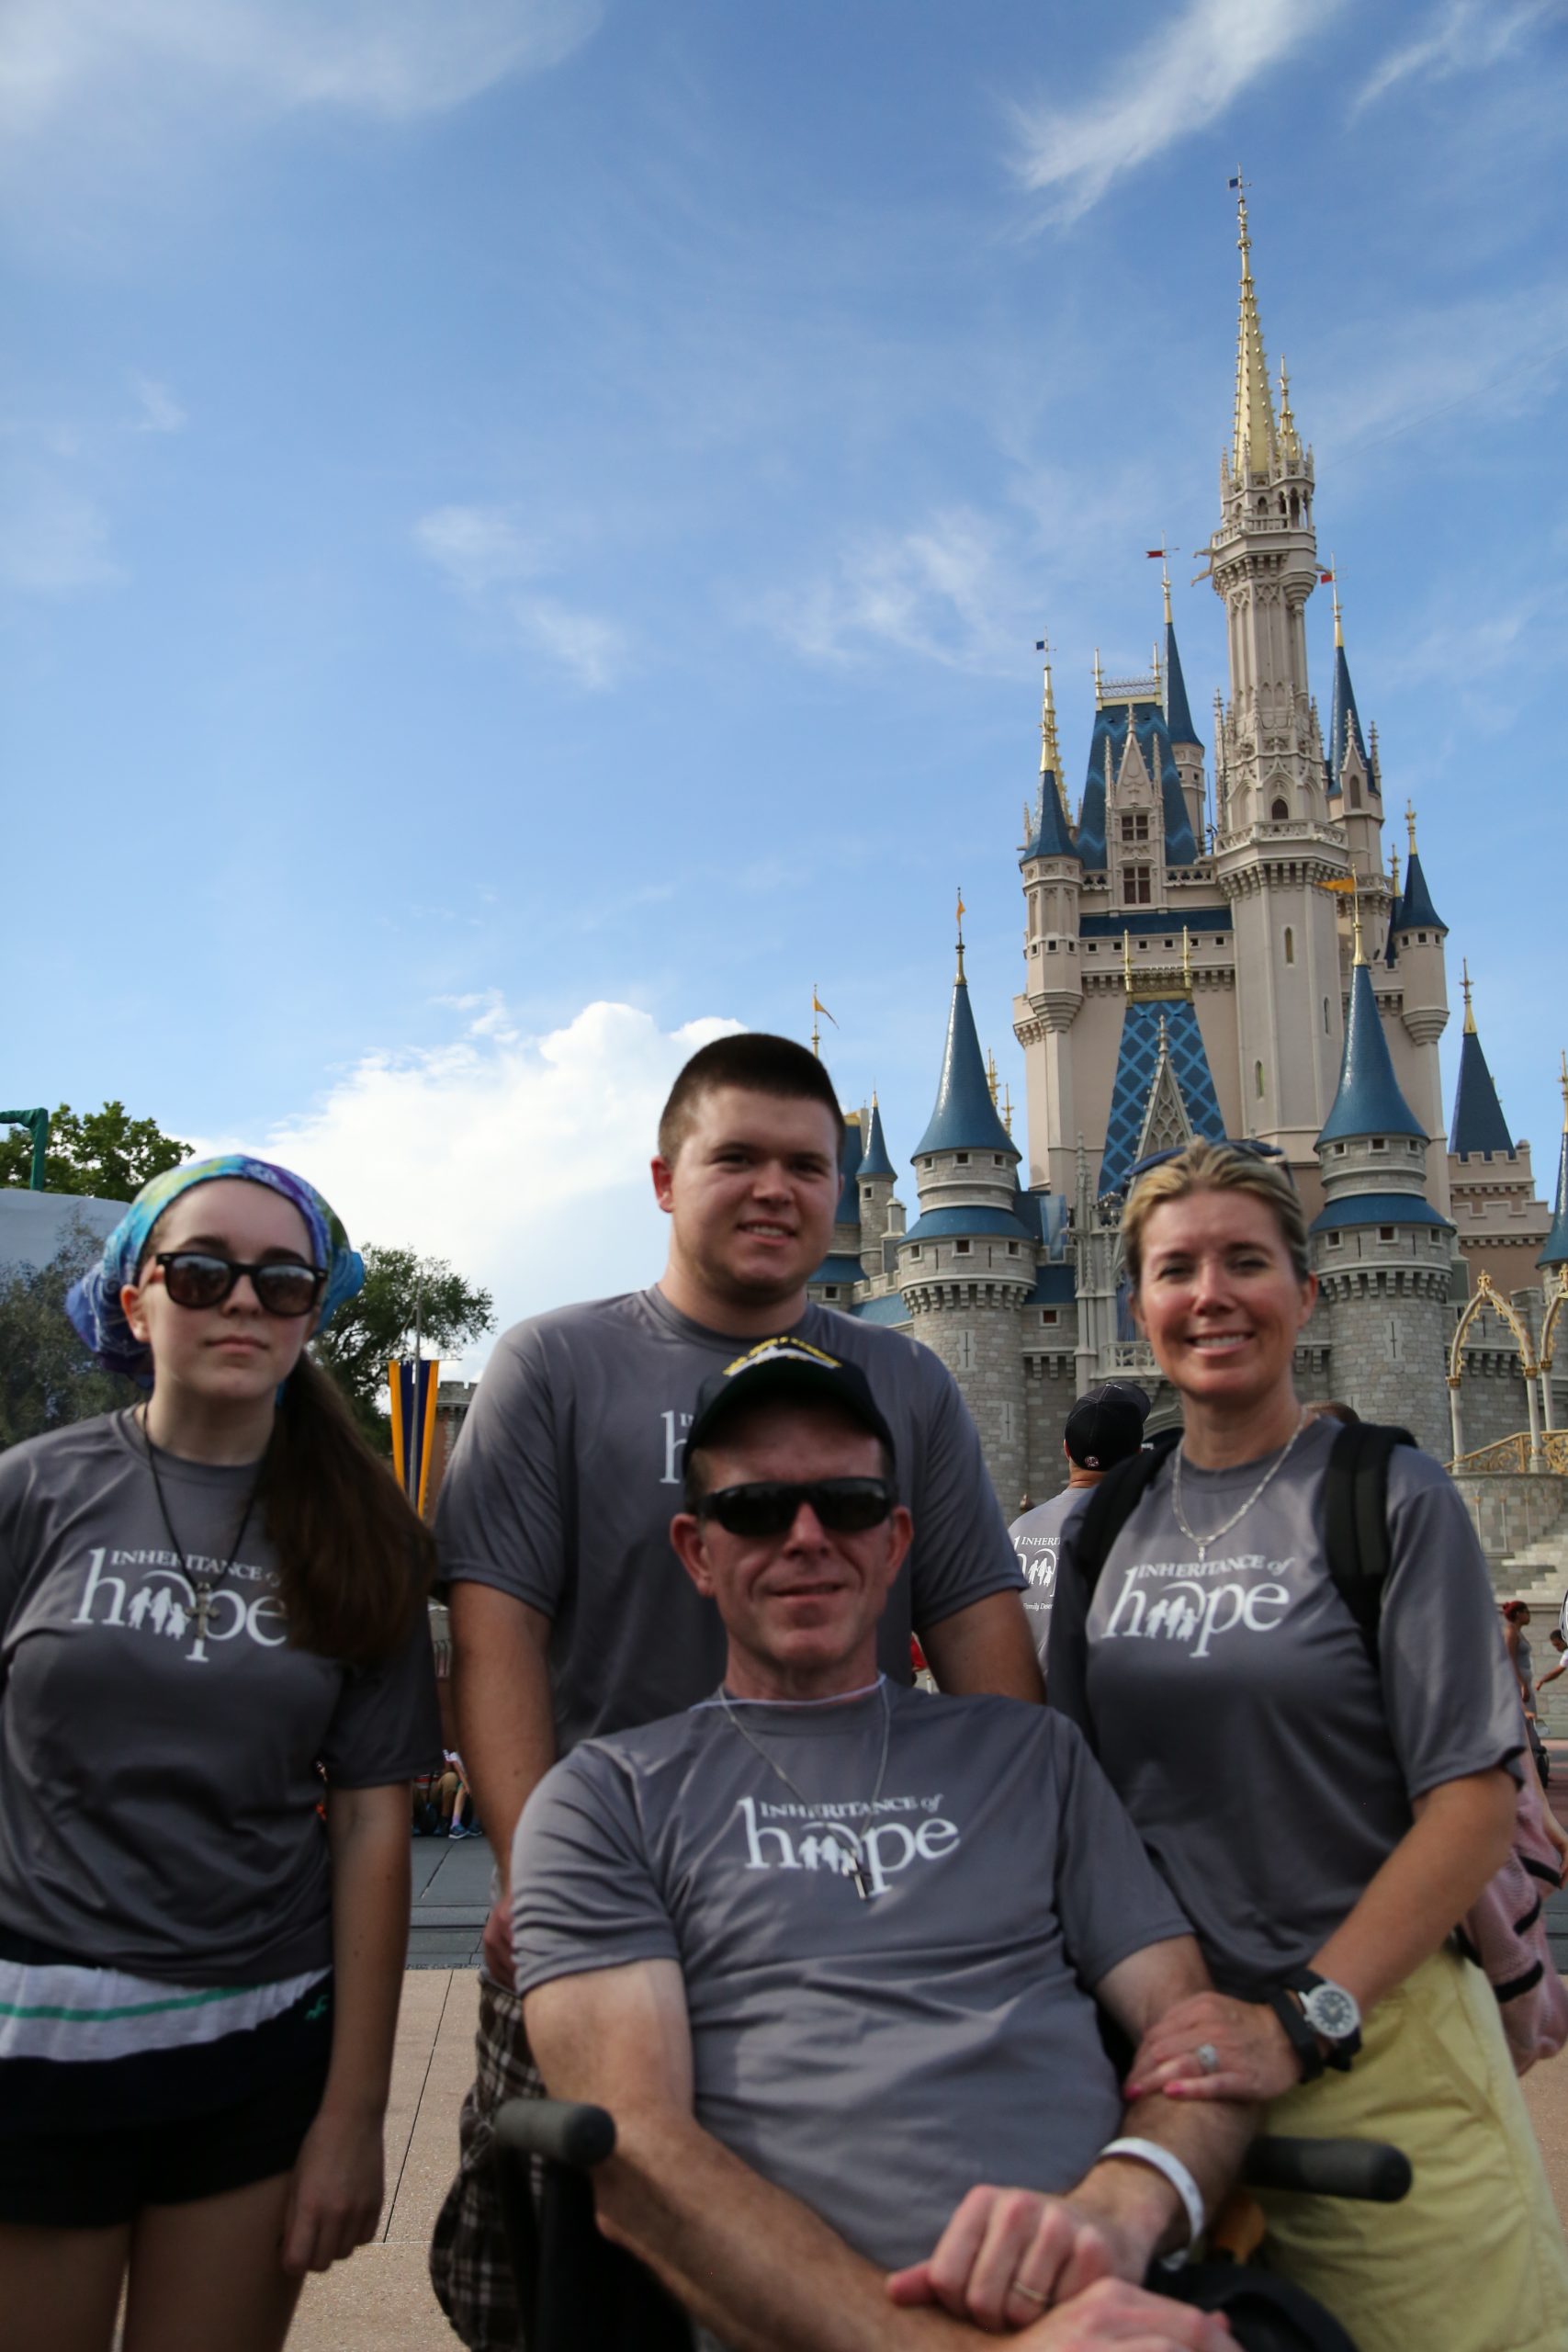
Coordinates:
<point>753,1059</point>
<point>694,1468</point>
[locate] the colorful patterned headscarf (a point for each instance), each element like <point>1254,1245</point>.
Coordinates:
<point>93,1303</point>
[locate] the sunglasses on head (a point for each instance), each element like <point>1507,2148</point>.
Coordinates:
<point>201,1278</point>
<point>844,1506</point>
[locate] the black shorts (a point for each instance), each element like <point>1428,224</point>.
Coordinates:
<point>86,2145</point>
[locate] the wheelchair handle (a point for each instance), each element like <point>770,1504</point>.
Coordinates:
<point>561,2131</point>
<point>1370,2170</point>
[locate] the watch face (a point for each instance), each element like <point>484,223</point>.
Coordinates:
<point>1331,2011</point>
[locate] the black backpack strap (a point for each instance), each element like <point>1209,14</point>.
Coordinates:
<point>1111,1505</point>
<point>1356,1519</point>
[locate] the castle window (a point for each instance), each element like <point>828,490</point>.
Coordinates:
<point>1334,1240</point>
<point>961,1159</point>
<point>1355,792</point>
<point>1135,825</point>
<point>1385,1233</point>
<point>1380,1143</point>
<point>1338,1151</point>
<point>962,1248</point>
<point>1135,889</point>
<point>831,1291</point>
<point>1280,811</point>
<point>1047,1315</point>
<point>1012,1249</point>
<point>1258,1078</point>
<point>1290,944</point>
<point>914,1249</point>
<point>998,1159</point>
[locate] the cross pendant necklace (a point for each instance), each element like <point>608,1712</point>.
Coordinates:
<point>201,1587</point>
<point>1204,1541</point>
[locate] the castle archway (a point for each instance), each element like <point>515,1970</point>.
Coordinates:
<point>1486,1300</point>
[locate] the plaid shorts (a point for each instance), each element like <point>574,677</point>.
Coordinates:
<point>470,2267</point>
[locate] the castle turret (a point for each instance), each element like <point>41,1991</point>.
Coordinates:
<point>833,1283</point>
<point>879,1212</point>
<point>1380,1249</point>
<point>1417,933</point>
<point>1277,838</point>
<point>1355,792</point>
<point>967,1264</point>
<point>1185,748</point>
<point>1051,867</point>
<point>1555,1251</point>
<point>1502,1226</point>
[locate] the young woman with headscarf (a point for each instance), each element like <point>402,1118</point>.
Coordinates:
<point>210,1603</point>
<point>1324,1822</point>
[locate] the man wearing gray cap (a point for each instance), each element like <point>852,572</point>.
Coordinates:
<point>1104,1427</point>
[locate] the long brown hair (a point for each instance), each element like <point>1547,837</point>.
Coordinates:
<point>354,1564</point>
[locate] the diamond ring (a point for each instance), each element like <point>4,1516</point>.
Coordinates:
<point>1208,2057</point>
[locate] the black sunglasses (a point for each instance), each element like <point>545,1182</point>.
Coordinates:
<point>845,1505</point>
<point>201,1278</point>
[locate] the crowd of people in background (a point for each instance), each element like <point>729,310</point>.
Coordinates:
<point>831,1949</point>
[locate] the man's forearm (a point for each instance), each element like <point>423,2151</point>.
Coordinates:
<point>986,1647</point>
<point>751,2261</point>
<point>1208,2140</point>
<point>501,1691</point>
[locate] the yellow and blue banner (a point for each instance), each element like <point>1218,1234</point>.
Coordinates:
<point>413,1385</point>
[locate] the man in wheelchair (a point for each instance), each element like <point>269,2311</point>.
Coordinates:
<point>834,1952</point>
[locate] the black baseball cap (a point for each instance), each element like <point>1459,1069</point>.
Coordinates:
<point>790,1368</point>
<point>1106,1425</point>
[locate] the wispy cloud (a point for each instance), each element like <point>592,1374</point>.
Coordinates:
<point>395,58</point>
<point>1462,36</point>
<point>941,591</point>
<point>1498,357</point>
<point>513,1156</point>
<point>487,557</point>
<point>1178,82</point>
<point>157,409</point>
<point>54,536</point>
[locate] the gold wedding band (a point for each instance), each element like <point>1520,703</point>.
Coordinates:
<point>1033,2293</point>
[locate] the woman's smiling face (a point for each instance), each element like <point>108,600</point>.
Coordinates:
<point>1219,1300</point>
<point>233,1352</point>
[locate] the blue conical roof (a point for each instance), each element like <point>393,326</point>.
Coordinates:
<point>877,1162</point>
<point>1415,908</point>
<point>1369,1102</point>
<point>847,1210</point>
<point>1345,728</point>
<point>964,1118</point>
<point>1178,714</point>
<point>1478,1122</point>
<point>1052,833</point>
<point>1556,1252</point>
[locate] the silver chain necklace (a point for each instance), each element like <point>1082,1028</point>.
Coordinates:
<point>1204,1541</point>
<point>855,1838</point>
<point>202,1587</point>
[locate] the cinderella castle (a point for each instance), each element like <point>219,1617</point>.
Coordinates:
<point>1251,964</point>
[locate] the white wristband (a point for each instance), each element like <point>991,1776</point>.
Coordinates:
<point>1161,2160</point>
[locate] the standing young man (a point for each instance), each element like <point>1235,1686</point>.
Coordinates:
<point>1104,1428</point>
<point>570,1615</point>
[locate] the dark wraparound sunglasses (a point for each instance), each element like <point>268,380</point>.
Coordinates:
<point>845,1505</point>
<point>201,1278</point>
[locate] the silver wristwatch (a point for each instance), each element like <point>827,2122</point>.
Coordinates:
<point>1333,2014</point>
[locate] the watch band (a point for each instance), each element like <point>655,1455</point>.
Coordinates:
<point>1302,2040</point>
<point>1161,2160</point>
<point>1342,2047</point>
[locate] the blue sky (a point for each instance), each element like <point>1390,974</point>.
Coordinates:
<point>526,525</point>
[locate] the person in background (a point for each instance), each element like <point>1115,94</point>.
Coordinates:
<point>1104,1427</point>
<point>200,1963</point>
<point>572,1617</point>
<point>1323,1819</point>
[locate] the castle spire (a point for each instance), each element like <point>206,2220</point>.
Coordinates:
<point>1478,1122</point>
<point>1554,1251</point>
<point>1289,439</point>
<point>1253,439</point>
<point>1369,1102</point>
<point>1177,711</point>
<point>1345,734</point>
<point>1415,910</point>
<point>964,1118</point>
<point>877,1161</point>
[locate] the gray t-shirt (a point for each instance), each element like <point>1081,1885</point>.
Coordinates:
<point>568,1473</point>
<point>876,2058</point>
<point>158,1794</point>
<point>1269,1769</point>
<point>1036,1539</point>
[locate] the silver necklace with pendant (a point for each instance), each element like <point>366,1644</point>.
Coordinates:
<point>202,1587</point>
<point>1204,1541</point>
<point>852,1849</point>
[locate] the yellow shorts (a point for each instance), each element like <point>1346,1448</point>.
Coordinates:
<point>1473,2260</point>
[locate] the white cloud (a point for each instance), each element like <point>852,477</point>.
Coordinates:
<point>943,592</point>
<point>1497,357</point>
<point>157,409</point>
<point>524,1159</point>
<point>393,58</point>
<point>54,538</point>
<point>484,554</point>
<point>1465,36</point>
<point>1178,82</point>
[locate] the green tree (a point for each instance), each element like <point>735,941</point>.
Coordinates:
<point>104,1153</point>
<point>400,1288</point>
<point>47,1377</point>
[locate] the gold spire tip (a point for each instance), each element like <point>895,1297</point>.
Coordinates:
<point>1564,1084</point>
<point>1361,955</point>
<point>1334,575</point>
<point>1165,583</point>
<point>1469,1008</point>
<point>959,920</point>
<point>991,1080</point>
<point>1410,822</point>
